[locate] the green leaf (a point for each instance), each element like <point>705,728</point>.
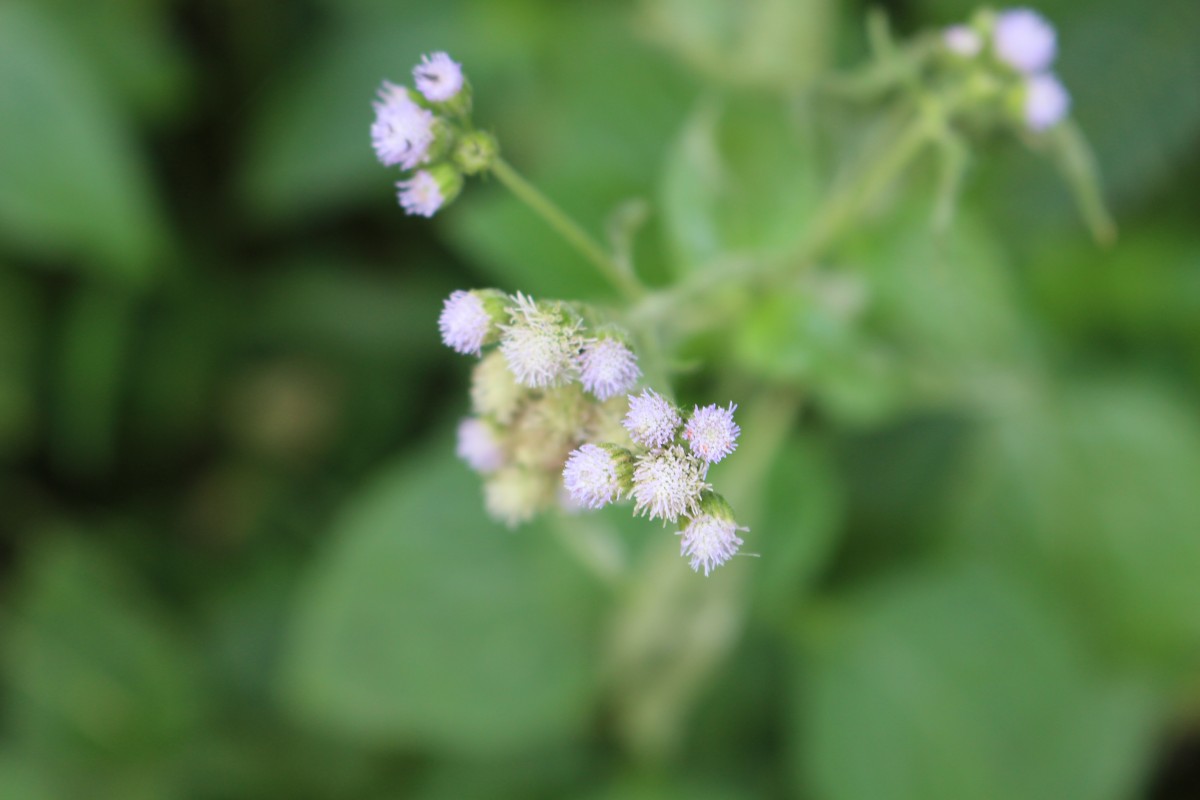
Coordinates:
<point>425,622</point>
<point>72,183</point>
<point>960,683</point>
<point>801,525</point>
<point>1096,484</point>
<point>90,662</point>
<point>771,43</point>
<point>740,178</point>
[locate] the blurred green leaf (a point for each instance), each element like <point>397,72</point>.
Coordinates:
<point>72,183</point>
<point>960,683</point>
<point>131,44</point>
<point>425,622</point>
<point>90,663</point>
<point>21,322</point>
<point>1096,485</point>
<point>800,527</point>
<point>90,379</point>
<point>741,178</point>
<point>771,43</point>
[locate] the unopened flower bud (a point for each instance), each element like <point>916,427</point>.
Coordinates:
<point>476,152</point>
<point>515,494</point>
<point>711,536</point>
<point>551,426</point>
<point>495,392</point>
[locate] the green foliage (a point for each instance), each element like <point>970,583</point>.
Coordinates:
<point>238,558</point>
<point>425,623</point>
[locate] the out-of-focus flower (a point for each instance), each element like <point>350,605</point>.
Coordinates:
<point>1046,102</point>
<point>438,77</point>
<point>962,40</point>
<point>402,131</point>
<point>1024,40</point>
<point>514,494</point>
<point>479,446</point>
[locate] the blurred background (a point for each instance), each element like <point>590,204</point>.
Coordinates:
<point>239,560</point>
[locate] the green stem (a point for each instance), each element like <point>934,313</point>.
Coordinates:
<point>568,229</point>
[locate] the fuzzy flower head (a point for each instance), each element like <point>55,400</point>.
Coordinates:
<point>711,537</point>
<point>466,322</point>
<point>1046,102</point>
<point>651,420</point>
<point>711,432</point>
<point>479,446</point>
<point>402,131</point>
<point>494,390</point>
<point>607,367</point>
<point>1024,40</point>
<point>420,195</point>
<point>538,344</point>
<point>596,475</point>
<point>429,189</point>
<point>667,484</point>
<point>438,77</point>
<point>962,40</point>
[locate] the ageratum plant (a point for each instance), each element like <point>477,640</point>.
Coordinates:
<point>563,415</point>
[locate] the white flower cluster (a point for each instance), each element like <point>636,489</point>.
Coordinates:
<point>554,420</point>
<point>426,131</point>
<point>547,387</point>
<point>1023,45</point>
<point>665,473</point>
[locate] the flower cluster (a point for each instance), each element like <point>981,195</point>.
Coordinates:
<point>554,420</point>
<point>1014,49</point>
<point>665,473</point>
<point>545,385</point>
<point>427,132</point>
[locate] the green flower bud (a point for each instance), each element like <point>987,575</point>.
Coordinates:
<point>476,152</point>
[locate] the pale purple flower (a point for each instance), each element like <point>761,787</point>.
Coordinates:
<point>438,77</point>
<point>709,541</point>
<point>667,484</point>
<point>539,345</point>
<point>420,195</point>
<point>711,432</point>
<point>592,476</point>
<point>1024,40</point>
<point>651,420</point>
<point>464,323</point>
<point>1046,102</point>
<point>402,131</point>
<point>479,446</point>
<point>607,367</point>
<point>962,40</point>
